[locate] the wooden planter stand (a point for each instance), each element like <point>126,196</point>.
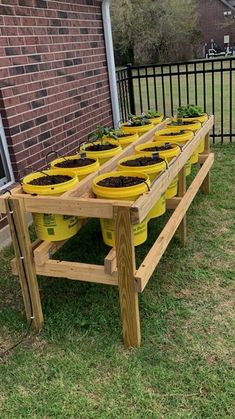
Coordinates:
<point>32,259</point>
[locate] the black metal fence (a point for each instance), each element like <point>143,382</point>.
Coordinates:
<point>209,83</point>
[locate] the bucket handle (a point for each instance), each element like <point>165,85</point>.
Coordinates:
<point>80,151</point>
<point>56,153</point>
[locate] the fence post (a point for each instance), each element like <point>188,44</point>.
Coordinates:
<point>131,88</point>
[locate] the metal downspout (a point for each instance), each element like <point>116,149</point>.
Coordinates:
<point>110,61</point>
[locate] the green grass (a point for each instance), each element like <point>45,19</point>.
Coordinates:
<point>77,366</point>
<point>225,82</point>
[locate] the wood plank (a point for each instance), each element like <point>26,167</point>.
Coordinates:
<point>172,203</point>
<point>202,158</point>
<point>181,193</point>
<point>110,262</point>
<point>126,281</point>
<point>76,271</point>
<point>3,207</point>
<point>24,261</point>
<point>46,250</point>
<point>91,208</point>
<point>206,183</point>
<point>141,207</point>
<point>150,262</point>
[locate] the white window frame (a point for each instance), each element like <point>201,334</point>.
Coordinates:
<point>9,178</point>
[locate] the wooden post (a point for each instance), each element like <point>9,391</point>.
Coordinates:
<point>206,183</point>
<point>25,262</point>
<point>125,254</point>
<point>181,192</point>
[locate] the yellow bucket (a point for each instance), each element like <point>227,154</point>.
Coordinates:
<point>124,141</point>
<point>152,171</point>
<point>203,118</point>
<point>140,130</point>
<point>81,171</point>
<point>103,155</point>
<point>178,139</point>
<point>156,120</point>
<point>130,193</point>
<point>167,154</point>
<point>53,227</point>
<point>191,125</point>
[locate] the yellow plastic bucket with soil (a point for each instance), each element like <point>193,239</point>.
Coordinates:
<point>126,193</point>
<point>139,129</point>
<point>101,150</point>
<point>166,151</point>
<point>156,120</point>
<point>52,227</point>
<point>81,166</point>
<point>202,118</point>
<point>154,165</point>
<point>124,141</point>
<point>180,137</point>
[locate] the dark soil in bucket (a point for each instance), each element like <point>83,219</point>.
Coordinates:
<point>124,135</point>
<point>101,147</point>
<point>120,181</point>
<point>181,123</point>
<point>173,134</point>
<point>75,163</point>
<point>50,180</point>
<point>159,148</point>
<point>142,161</point>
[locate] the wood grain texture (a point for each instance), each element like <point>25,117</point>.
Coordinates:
<point>181,193</point>
<point>24,261</point>
<point>92,208</point>
<point>110,262</point>
<point>76,271</point>
<point>153,257</point>
<point>206,183</point>
<point>126,268</point>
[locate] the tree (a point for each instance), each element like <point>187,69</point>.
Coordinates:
<point>154,30</point>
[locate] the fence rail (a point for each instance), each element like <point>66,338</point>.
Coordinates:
<point>165,87</point>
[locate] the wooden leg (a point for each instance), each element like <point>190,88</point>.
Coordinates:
<point>25,261</point>
<point>181,192</point>
<point>206,183</point>
<point>125,254</point>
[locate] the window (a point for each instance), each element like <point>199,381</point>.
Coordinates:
<point>6,174</point>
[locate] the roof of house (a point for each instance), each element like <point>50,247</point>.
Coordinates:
<point>229,3</point>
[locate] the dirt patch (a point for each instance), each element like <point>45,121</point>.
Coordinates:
<point>120,181</point>
<point>143,161</point>
<point>49,180</point>
<point>75,163</point>
<point>101,147</point>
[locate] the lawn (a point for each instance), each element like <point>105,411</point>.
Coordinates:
<point>77,366</point>
<point>220,87</point>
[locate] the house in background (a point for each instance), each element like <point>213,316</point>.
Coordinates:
<point>217,23</point>
<point>57,81</point>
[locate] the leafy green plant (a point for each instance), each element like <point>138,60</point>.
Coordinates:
<point>116,133</point>
<point>101,133</point>
<point>137,120</point>
<point>189,111</point>
<point>152,114</point>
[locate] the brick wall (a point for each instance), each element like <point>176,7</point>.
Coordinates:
<point>213,24</point>
<point>54,82</point>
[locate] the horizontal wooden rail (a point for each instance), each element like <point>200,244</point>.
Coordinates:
<point>72,270</point>
<point>153,257</point>
<point>92,208</point>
